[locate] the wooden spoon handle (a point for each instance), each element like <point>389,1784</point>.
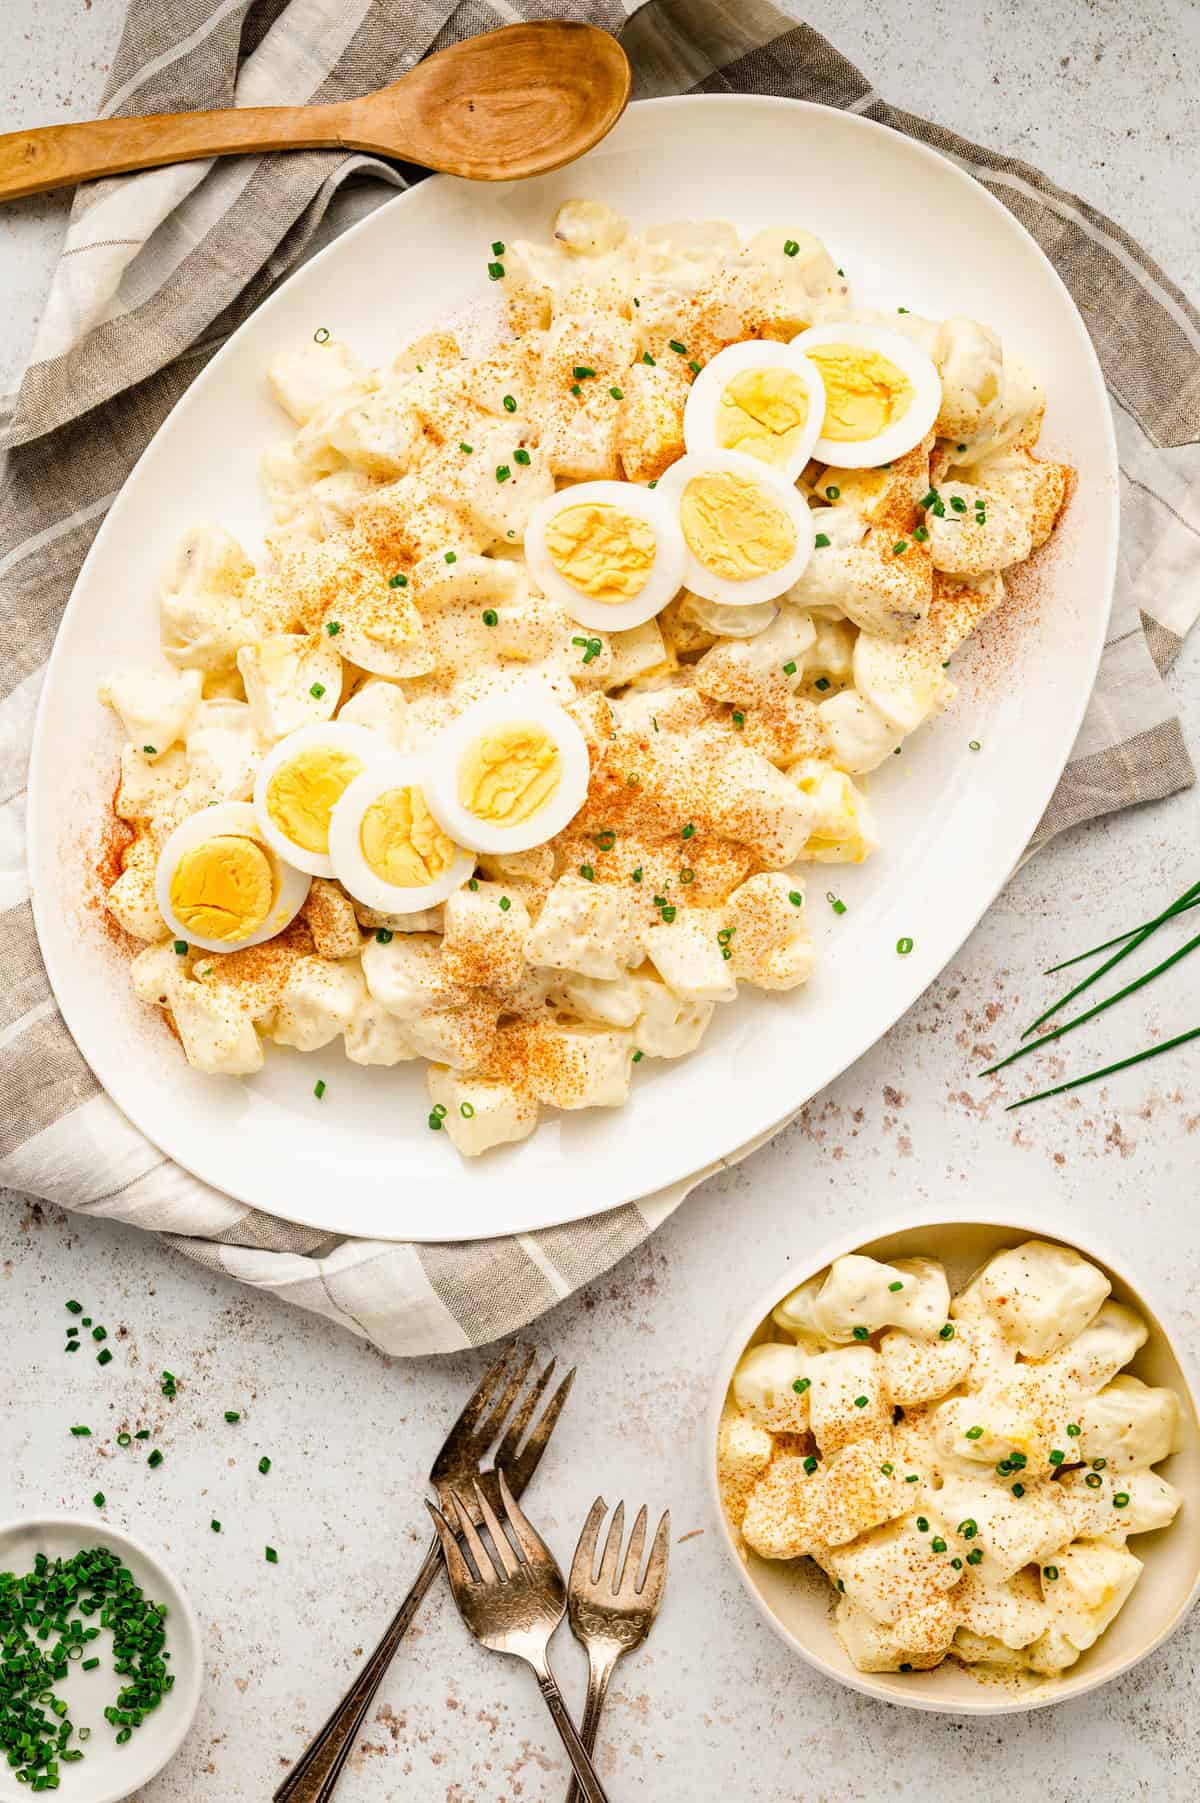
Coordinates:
<point>57,155</point>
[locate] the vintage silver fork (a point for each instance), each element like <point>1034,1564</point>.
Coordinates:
<point>514,1609</point>
<point>610,1615</point>
<point>457,1466</point>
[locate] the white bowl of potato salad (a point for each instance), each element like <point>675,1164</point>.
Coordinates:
<point>958,1468</point>
<point>563,665</point>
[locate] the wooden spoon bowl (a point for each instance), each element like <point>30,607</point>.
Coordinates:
<point>512,103</point>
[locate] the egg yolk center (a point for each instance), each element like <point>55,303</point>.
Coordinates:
<point>762,412</point>
<point>303,793</point>
<point>865,392</point>
<point>402,842</point>
<point>222,888</point>
<point>509,773</point>
<point>733,527</point>
<point>602,551</point>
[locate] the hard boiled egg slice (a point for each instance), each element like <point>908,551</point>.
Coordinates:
<point>385,846</point>
<point>220,886</point>
<point>760,398</point>
<point>301,781</point>
<point>610,553</point>
<point>748,535</point>
<point>882,393</point>
<point>509,773</point>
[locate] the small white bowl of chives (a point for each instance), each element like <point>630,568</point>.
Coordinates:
<point>796,1600</point>
<point>101,1590</point>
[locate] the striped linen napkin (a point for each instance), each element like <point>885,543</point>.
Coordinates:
<point>158,269</point>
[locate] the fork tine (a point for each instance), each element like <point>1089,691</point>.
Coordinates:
<point>478,1551</point>
<point>606,1577</point>
<point>631,1570</point>
<point>457,1569</point>
<point>528,1538</point>
<point>585,1553</point>
<point>523,1468</point>
<point>506,1452</point>
<point>500,1540</point>
<point>487,1432</point>
<point>480,1396</point>
<point>656,1566</point>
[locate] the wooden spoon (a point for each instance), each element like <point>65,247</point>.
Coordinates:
<point>511,103</point>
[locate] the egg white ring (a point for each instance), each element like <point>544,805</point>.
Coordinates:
<point>348,862</point>
<point>452,745</point>
<point>238,819</point>
<point>360,740</point>
<point>700,409</point>
<point>705,582</point>
<point>666,575</point>
<point>923,375</point>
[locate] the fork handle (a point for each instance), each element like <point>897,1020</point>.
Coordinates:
<point>313,1777</point>
<point>600,1670</point>
<point>590,1786</point>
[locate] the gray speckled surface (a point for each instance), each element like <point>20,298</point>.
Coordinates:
<point>714,1706</point>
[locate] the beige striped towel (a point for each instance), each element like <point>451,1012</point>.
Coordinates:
<point>158,269</point>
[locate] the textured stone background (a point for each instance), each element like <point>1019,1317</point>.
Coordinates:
<point>1104,96</point>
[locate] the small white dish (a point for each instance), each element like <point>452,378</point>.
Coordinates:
<point>795,1598</point>
<point>110,1772</point>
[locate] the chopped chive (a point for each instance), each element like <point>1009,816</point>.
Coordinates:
<point>468,450</point>
<point>922,1524</point>
<point>899,548</point>
<point>82,1433</point>
<point>434,1123</point>
<point>835,902</point>
<point>1074,1429</point>
<point>498,248</point>
<point>271,1555</point>
<point>490,617</point>
<point>821,541</point>
<point>606,840</point>
<point>1093,1480</point>
<point>1018,1489</point>
<point>861,1333</point>
<point>522,457</point>
<point>233,1415</point>
<point>151,751</point>
<point>317,690</point>
<point>647,358</point>
<point>822,683</point>
<point>180,952</point>
<point>1050,1572</point>
<point>333,627</point>
<point>618,394</point>
<point>738,717</point>
<point>215,1526</point>
<point>397,581</point>
<point>495,271</point>
<point>904,946</point>
<point>1120,1499</point>
<point>576,389</point>
<point>502,472</point>
<point>947,1332</point>
<point>581,372</point>
<point>587,873</point>
<point>321,335</point>
<point>832,492</point>
<point>912,1478</point>
<point>505,904</point>
<point>155,1459</point>
<point>795,897</point>
<point>974,1433</point>
<point>638,1056</point>
<point>894,1287</point>
<point>802,1384</point>
<point>451,556</point>
<point>467,1110</point>
<point>693,366</point>
<point>74,1308</point>
<point>104,1358</point>
<point>860,1402</point>
<point>789,669</point>
<point>887,1469</point>
<point>968,1528</point>
<point>920,533</point>
<point>937,1544</point>
<point>810,1464</point>
<point>790,247</point>
<point>143,1433</point>
<point>264,1465</point>
<point>509,403</point>
<point>98,1499</point>
<point>319,1087</point>
<point>975,1558</point>
<point>124,1439</point>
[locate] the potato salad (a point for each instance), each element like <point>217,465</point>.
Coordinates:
<point>562,663</point>
<point>967,1473</point>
